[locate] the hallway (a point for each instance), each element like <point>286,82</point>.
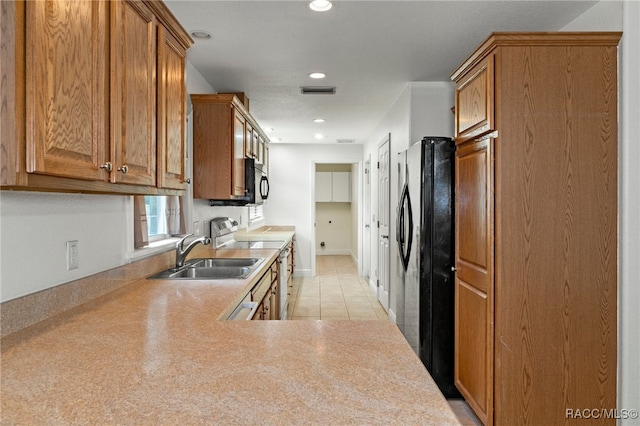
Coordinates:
<point>336,292</point>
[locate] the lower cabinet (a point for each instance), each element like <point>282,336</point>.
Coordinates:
<point>265,292</point>
<point>291,291</point>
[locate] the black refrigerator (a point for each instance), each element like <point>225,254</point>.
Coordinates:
<point>425,259</point>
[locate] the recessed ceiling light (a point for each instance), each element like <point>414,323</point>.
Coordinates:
<point>268,129</point>
<point>203,35</point>
<point>318,120</point>
<point>318,136</point>
<point>320,5</point>
<point>317,75</point>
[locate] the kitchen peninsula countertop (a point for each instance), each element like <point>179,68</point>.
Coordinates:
<point>155,352</point>
<point>271,232</point>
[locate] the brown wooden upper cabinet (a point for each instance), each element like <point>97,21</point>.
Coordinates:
<point>224,134</point>
<point>171,111</point>
<point>98,89</point>
<point>248,141</point>
<point>474,101</point>
<point>133,93</point>
<point>536,226</point>
<point>239,145</point>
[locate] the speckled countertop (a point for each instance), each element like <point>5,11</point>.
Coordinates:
<point>265,233</point>
<point>154,352</point>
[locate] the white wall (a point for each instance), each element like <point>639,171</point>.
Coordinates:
<point>36,227</point>
<point>334,228</point>
<point>291,175</point>
<point>422,109</point>
<point>624,16</point>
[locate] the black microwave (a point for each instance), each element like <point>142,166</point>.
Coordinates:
<point>256,182</point>
<point>256,186</point>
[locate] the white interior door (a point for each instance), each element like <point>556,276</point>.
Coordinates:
<point>383,223</point>
<point>366,237</point>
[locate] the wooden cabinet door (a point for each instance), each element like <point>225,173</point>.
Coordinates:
<point>275,299</point>
<point>67,88</point>
<point>237,167</point>
<point>133,93</point>
<point>256,141</point>
<point>265,157</point>
<point>474,276</point>
<point>475,101</point>
<point>260,148</point>
<point>248,141</point>
<point>171,111</point>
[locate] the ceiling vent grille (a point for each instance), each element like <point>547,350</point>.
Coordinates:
<point>318,90</point>
<point>345,140</point>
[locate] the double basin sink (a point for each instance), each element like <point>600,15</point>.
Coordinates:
<point>212,269</point>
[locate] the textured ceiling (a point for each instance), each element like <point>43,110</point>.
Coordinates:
<point>368,49</point>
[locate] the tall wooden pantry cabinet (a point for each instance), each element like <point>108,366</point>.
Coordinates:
<point>536,227</point>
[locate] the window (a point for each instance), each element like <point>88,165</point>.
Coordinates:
<point>255,214</point>
<point>156,209</point>
<point>156,218</point>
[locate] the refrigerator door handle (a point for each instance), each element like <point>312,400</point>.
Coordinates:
<point>405,252</point>
<point>400,226</point>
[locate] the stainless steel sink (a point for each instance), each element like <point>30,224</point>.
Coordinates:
<point>226,262</point>
<point>211,269</point>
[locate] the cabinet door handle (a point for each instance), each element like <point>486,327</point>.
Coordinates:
<point>107,166</point>
<point>124,169</point>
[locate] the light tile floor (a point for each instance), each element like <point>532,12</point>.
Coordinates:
<point>337,292</point>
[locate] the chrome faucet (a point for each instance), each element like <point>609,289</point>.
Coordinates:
<point>181,252</point>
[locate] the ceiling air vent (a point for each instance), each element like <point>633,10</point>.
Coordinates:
<point>318,90</point>
<point>345,140</point>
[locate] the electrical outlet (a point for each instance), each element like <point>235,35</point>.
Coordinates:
<point>73,258</point>
<point>196,227</point>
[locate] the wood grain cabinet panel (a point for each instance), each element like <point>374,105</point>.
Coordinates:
<point>171,111</point>
<point>67,88</point>
<point>133,90</point>
<point>474,101</point>
<point>474,276</point>
<point>237,168</point>
<point>248,141</point>
<point>266,293</point>
<point>540,259</point>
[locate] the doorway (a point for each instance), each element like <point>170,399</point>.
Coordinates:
<point>336,213</point>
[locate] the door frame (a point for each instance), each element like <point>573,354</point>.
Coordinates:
<point>366,220</point>
<point>357,196</point>
<point>382,298</point>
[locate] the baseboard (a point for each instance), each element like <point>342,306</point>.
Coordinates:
<point>304,273</point>
<point>392,316</point>
<point>373,286</point>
